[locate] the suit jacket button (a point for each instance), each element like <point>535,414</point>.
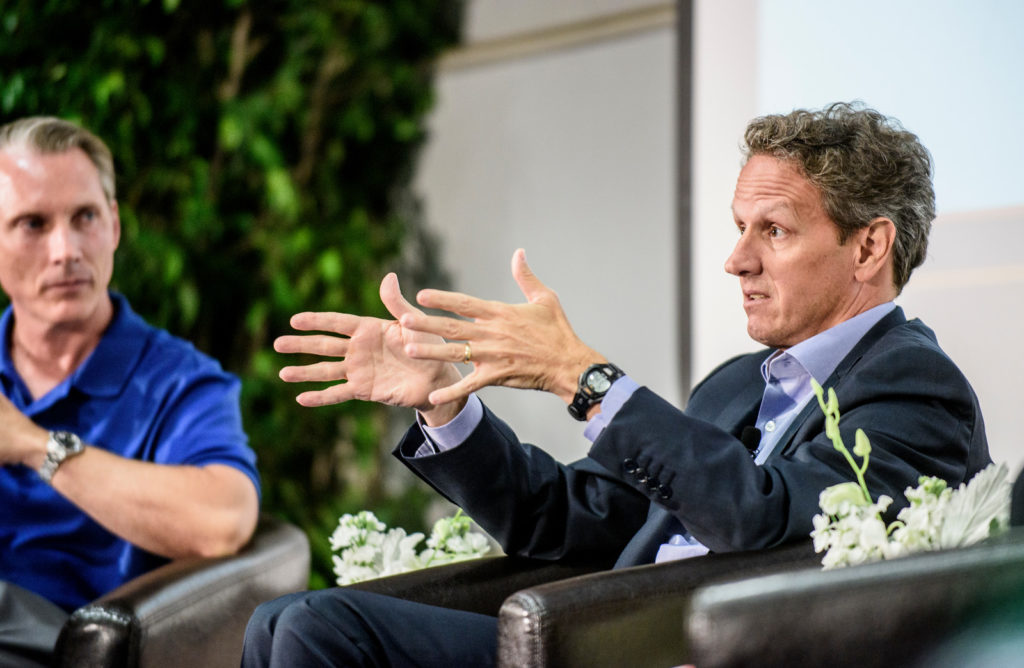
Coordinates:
<point>629,465</point>
<point>653,484</point>
<point>641,475</point>
<point>665,492</point>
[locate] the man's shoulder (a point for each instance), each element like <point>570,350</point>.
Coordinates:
<point>904,337</point>
<point>148,350</point>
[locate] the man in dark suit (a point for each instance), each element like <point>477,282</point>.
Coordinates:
<point>833,210</point>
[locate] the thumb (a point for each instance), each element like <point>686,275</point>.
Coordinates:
<point>391,297</point>
<point>528,282</point>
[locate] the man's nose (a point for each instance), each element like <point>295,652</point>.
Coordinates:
<point>743,259</point>
<point>65,244</point>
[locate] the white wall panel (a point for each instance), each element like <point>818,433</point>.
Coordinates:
<point>568,154</point>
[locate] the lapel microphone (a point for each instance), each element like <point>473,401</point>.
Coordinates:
<point>751,438</point>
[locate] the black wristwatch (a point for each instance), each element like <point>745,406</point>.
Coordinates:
<point>60,446</point>
<point>593,385</point>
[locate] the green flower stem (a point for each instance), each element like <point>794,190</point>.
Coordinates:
<point>862,447</point>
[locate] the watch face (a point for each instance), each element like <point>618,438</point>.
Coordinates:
<point>66,439</point>
<point>598,382</point>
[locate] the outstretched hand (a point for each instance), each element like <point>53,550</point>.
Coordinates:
<point>529,346</point>
<point>370,360</point>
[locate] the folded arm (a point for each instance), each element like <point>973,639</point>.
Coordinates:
<point>173,511</point>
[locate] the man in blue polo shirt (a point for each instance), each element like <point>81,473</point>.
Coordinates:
<point>121,446</point>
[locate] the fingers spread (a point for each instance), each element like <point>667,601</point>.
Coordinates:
<point>445,327</point>
<point>335,394</point>
<point>319,372</point>
<point>455,302</point>
<point>456,392</point>
<point>441,352</point>
<point>339,323</point>
<point>527,281</point>
<point>315,344</point>
<point>391,296</point>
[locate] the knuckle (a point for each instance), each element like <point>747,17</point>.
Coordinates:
<point>451,329</point>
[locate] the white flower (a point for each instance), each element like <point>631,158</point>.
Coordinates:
<point>367,549</point>
<point>977,509</point>
<point>851,529</point>
<point>937,518</point>
<point>398,552</point>
<point>838,499</point>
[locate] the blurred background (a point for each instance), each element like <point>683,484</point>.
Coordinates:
<point>277,156</point>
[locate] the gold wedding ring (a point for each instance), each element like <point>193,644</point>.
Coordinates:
<point>468,354</point>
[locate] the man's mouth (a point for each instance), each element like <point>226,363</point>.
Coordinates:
<point>67,284</point>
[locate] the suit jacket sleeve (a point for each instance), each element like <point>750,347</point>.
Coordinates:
<point>529,502</point>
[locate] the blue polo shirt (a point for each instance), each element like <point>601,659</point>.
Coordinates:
<point>142,394</point>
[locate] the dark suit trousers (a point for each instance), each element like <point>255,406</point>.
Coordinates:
<point>345,627</point>
<point>29,626</point>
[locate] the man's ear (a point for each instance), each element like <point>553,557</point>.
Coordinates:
<point>874,250</point>
<point>116,216</point>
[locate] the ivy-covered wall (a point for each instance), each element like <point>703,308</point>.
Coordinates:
<point>264,152</point>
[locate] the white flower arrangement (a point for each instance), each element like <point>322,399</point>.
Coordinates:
<point>850,529</point>
<point>368,549</point>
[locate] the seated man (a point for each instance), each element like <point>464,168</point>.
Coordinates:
<point>833,210</point>
<point>121,445</point>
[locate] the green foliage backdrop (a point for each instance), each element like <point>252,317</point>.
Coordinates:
<point>264,151</point>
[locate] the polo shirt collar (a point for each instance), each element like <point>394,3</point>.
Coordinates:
<point>108,368</point>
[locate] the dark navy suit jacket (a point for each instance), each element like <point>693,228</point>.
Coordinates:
<point>656,469</point>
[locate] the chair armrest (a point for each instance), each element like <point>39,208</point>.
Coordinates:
<point>190,612</point>
<point>889,613</point>
<point>475,585</point>
<point>625,617</point>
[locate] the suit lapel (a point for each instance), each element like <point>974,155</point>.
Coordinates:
<point>736,407</point>
<point>800,428</point>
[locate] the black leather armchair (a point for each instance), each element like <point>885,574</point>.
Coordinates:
<point>189,612</point>
<point>905,612</point>
<point>557,615</point>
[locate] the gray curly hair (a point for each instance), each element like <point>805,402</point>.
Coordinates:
<point>47,134</point>
<point>864,164</point>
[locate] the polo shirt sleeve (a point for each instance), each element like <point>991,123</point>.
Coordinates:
<point>202,424</point>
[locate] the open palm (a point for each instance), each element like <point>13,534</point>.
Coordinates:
<point>369,361</point>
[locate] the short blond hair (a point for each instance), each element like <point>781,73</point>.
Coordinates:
<point>48,134</point>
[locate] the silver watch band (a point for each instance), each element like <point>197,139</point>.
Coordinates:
<point>60,446</point>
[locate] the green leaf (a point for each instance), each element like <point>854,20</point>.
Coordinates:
<point>250,189</point>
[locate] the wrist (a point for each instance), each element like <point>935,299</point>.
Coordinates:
<point>60,447</point>
<point>438,416</point>
<point>569,378</point>
<point>594,383</point>
<point>33,441</point>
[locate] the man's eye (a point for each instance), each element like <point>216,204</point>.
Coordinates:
<point>32,224</point>
<point>86,217</point>
<point>775,232</point>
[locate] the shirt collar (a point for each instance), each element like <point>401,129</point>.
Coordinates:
<point>822,353</point>
<point>106,370</point>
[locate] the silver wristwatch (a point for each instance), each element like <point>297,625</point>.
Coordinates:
<point>60,446</point>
